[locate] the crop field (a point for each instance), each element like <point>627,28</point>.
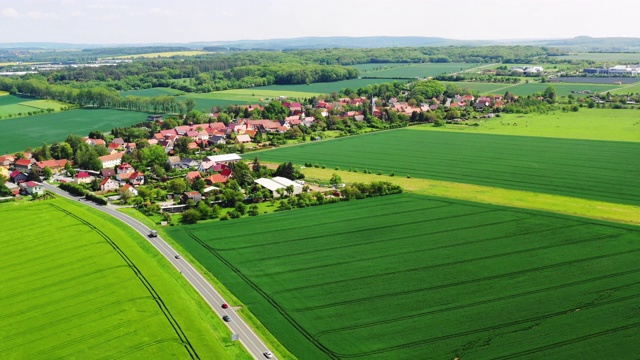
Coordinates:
<point>596,80</point>
<point>591,124</point>
<point>410,71</point>
<point>628,89</point>
<point>482,88</point>
<point>561,89</point>
<point>205,104</point>
<point>365,68</point>
<point>621,57</point>
<point>18,133</point>
<point>11,104</point>
<point>410,276</point>
<point>596,170</point>
<point>152,92</point>
<point>328,87</point>
<point>76,285</point>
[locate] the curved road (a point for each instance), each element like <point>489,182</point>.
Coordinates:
<point>248,337</point>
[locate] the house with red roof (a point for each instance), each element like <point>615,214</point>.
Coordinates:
<point>136,178</point>
<point>18,177</point>
<point>33,188</point>
<point>192,175</point>
<point>56,166</point>
<point>216,179</point>
<point>23,164</point>
<point>129,189</point>
<point>83,177</point>
<point>108,184</point>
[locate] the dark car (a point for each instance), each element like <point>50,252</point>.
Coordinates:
<point>177,256</point>
<point>225,306</point>
<point>226,318</point>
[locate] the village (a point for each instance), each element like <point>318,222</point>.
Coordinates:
<point>197,160</point>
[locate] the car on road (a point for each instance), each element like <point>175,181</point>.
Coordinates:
<point>226,318</point>
<point>177,256</point>
<point>268,354</point>
<point>153,233</point>
<point>225,306</point>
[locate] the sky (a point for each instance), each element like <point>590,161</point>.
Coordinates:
<point>164,21</point>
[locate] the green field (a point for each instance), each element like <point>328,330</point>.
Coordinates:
<point>482,88</point>
<point>413,277</point>
<point>365,68</point>
<point>79,285</point>
<point>592,124</point>
<point>621,57</point>
<point>152,92</point>
<point>18,134</point>
<point>14,105</point>
<point>596,170</point>
<point>410,71</point>
<point>628,89</point>
<point>329,87</point>
<point>561,89</point>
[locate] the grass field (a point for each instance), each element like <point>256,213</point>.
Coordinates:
<point>597,170</point>
<point>18,134</point>
<point>410,276</point>
<point>410,71</point>
<point>482,88</point>
<point>3,93</point>
<point>592,124</point>
<point>77,285</point>
<point>365,68</point>
<point>561,89</point>
<point>329,87</point>
<point>628,89</point>
<point>152,92</point>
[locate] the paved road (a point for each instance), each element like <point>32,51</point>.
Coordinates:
<point>248,337</point>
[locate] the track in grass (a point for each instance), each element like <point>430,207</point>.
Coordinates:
<point>407,275</point>
<point>71,291</point>
<point>597,170</point>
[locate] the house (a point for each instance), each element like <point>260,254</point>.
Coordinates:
<point>111,160</point>
<point>173,161</point>
<point>108,184</point>
<point>6,160</point>
<point>83,178</point>
<point>188,163</point>
<point>154,118</point>
<point>18,177</point>
<point>191,195</point>
<point>217,139</point>
<point>23,164</point>
<point>243,139</point>
<point>193,146</point>
<point>192,175</point>
<point>95,142</point>
<point>56,166</point>
<point>136,178</point>
<point>107,173</point>
<point>279,182</point>
<point>15,189</point>
<point>128,189</point>
<point>216,179</point>
<point>206,165</point>
<point>33,188</point>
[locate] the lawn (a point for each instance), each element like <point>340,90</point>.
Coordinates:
<point>158,91</point>
<point>597,170</point>
<point>593,124</point>
<point>19,133</point>
<point>410,71</point>
<point>79,285</point>
<point>410,276</point>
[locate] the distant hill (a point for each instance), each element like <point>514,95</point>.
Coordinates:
<point>580,43</point>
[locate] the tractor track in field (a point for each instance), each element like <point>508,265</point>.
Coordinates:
<point>154,294</point>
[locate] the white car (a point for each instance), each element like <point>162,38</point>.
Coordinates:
<point>268,354</point>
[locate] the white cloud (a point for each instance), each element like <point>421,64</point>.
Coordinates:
<point>78,14</point>
<point>10,13</point>
<point>38,15</point>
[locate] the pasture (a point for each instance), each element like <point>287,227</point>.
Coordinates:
<point>410,276</point>
<point>158,91</point>
<point>596,170</point>
<point>79,285</point>
<point>625,58</point>
<point>411,71</point>
<point>591,124</point>
<point>19,133</point>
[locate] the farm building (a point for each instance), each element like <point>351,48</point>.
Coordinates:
<point>224,158</point>
<point>279,182</point>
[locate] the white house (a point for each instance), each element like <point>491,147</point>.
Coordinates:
<point>111,160</point>
<point>108,185</point>
<point>224,158</point>
<point>33,187</point>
